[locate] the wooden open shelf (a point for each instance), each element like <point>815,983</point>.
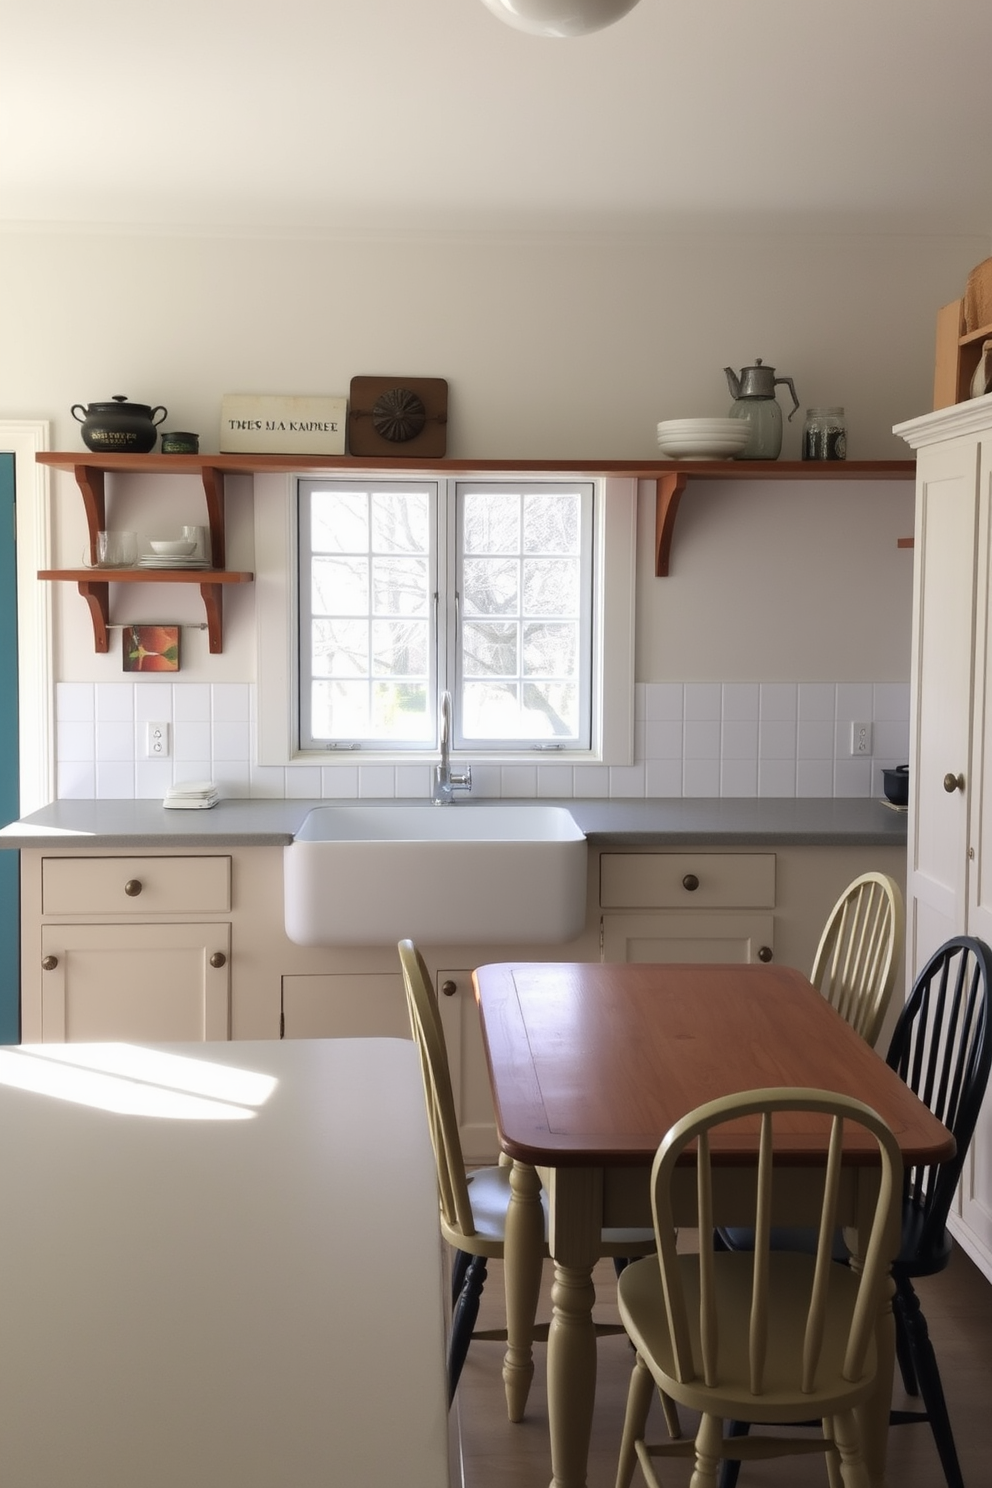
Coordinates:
<point>90,472</point>
<point>671,478</point>
<point>96,592</point>
<point>957,355</point>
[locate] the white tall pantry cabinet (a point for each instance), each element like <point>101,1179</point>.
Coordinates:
<point>949,864</point>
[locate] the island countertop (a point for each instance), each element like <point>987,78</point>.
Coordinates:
<point>635,822</point>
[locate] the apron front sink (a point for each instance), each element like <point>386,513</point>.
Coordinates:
<point>449,875</point>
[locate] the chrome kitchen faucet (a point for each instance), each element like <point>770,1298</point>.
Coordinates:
<point>446,781</point>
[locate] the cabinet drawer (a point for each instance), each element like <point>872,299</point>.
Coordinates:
<point>687,880</point>
<point>139,886</point>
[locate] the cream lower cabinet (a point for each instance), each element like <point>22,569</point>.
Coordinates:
<point>130,945</point>
<point>949,870</point>
<point>373,1005</point>
<point>126,948</point>
<point>365,1004</point>
<point>742,905</point>
<point>161,983</point>
<point>467,1061</point>
<point>704,906</point>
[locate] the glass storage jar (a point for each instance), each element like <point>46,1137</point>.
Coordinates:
<point>824,434</point>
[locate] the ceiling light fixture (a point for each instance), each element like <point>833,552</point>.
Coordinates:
<point>559,17</point>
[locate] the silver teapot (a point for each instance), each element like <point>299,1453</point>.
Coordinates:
<point>755,402</point>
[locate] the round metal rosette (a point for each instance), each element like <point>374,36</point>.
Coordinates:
<point>398,415</point>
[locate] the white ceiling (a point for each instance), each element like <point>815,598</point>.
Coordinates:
<point>326,115</point>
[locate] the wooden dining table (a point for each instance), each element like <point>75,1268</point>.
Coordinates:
<point>592,1063</point>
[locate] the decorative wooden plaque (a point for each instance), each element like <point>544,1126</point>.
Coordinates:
<point>397,416</point>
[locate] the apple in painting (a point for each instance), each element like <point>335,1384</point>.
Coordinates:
<point>153,648</point>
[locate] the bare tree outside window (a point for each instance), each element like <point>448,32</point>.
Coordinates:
<point>390,573</point>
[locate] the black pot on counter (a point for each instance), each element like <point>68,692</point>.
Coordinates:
<point>119,427</point>
<point>895,784</point>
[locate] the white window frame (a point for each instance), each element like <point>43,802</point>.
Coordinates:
<point>612,742</point>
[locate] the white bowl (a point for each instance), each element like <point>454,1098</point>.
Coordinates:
<point>176,549</point>
<point>702,439</point>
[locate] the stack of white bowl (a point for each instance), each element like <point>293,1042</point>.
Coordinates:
<point>702,438</point>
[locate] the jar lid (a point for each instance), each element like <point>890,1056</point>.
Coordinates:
<point>825,412</point>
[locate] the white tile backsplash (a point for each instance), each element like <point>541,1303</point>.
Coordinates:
<point>191,702</point>
<point>740,702</point>
<point>691,739</point>
<point>779,702</point>
<point>701,740</point>
<point>817,701</point>
<point>76,702</point>
<point>777,741</point>
<point>891,703</point>
<point>740,741</point>
<point>703,701</point>
<point>701,777</point>
<point>664,702</point>
<point>739,777</point>
<point>777,777</point>
<point>114,702</point>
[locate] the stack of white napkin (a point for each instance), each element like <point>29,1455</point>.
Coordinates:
<point>191,795</point>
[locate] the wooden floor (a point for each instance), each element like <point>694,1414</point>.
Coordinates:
<point>496,1454</point>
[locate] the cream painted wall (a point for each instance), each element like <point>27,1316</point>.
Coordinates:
<point>568,346</point>
<point>783,582</point>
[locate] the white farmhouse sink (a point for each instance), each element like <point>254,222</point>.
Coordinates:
<point>443,875</point>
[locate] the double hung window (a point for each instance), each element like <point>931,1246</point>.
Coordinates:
<point>484,588</point>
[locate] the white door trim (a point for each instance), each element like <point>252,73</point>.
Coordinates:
<point>23,438</point>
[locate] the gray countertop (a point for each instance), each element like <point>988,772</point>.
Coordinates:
<point>147,825</point>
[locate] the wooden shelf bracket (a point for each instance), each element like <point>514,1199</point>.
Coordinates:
<point>213,604</point>
<point>97,595</point>
<point>668,494</point>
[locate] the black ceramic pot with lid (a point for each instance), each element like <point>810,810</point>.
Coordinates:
<point>119,426</point>
<point>895,784</point>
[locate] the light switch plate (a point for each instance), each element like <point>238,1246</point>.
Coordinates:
<point>157,742</point>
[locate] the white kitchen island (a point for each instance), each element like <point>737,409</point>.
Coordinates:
<point>220,1266</point>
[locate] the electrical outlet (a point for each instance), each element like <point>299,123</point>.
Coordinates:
<point>861,738</point>
<point>156,741</point>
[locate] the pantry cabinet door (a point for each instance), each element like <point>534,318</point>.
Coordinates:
<point>979,859</point>
<point>941,704</point>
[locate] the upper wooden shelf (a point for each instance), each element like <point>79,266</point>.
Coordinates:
<point>646,469</point>
<point>671,477</point>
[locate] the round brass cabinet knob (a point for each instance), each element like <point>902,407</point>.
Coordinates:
<point>764,953</point>
<point>690,883</point>
<point>133,888</point>
<point>953,783</point>
<point>49,963</point>
<point>218,959</point>
<point>449,988</point>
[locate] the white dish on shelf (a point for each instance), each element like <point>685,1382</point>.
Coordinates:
<point>179,547</point>
<point>150,560</point>
<point>702,438</point>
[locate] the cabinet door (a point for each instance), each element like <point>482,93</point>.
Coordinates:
<point>695,937</point>
<point>467,1063</point>
<point>345,1005</point>
<point>940,725</point>
<point>975,1194</point>
<point>153,983</point>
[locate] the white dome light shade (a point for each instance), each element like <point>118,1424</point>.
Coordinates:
<point>559,17</point>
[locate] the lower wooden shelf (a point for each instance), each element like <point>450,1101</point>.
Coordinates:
<point>96,592</point>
